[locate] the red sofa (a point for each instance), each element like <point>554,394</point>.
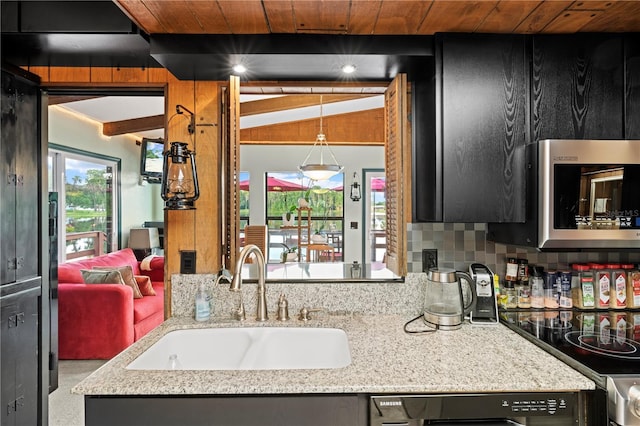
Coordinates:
<point>97,321</point>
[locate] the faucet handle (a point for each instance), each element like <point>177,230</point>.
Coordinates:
<point>283,308</point>
<point>304,313</point>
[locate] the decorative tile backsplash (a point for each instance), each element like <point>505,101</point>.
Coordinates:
<point>460,244</point>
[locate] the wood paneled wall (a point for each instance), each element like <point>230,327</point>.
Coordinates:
<point>199,229</point>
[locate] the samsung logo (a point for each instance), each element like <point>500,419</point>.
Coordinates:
<point>566,158</point>
<point>391,403</point>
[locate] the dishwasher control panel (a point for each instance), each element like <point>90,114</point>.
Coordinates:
<point>414,410</point>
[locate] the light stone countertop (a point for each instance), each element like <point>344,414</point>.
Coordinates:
<point>384,360</point>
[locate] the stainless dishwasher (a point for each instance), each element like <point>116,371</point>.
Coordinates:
<point>487,409</point>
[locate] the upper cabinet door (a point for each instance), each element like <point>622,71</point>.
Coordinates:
<point>632,86</point>
<point>483,101</point>
<point>577,87</point>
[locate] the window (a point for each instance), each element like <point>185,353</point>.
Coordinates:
<point>326,198</point>
<point>87,185</point>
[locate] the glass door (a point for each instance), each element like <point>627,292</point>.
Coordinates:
<point>88,219</point>
<point>375,214</point>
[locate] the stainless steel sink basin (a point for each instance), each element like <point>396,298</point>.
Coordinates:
<point>251,348</point>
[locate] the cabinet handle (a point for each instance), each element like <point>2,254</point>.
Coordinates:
<point>11,179</point>
<point>12,264</point>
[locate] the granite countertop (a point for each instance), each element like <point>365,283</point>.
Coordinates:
<point>384,360</point>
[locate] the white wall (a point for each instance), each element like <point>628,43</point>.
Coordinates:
<point>259,160</point>
<point>139,203</point>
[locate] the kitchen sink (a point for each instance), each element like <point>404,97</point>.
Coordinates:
<point>247,348</point>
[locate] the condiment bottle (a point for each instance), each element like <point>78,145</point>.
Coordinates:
<point>602,279</point>
<point>618,299</point>
<point>537,287</point>
<point>550,300</point>
<point>565,290</point>
<point>583,294</point>
<point>633,287</point>
<point>523,270</point>
<point>512,269</point>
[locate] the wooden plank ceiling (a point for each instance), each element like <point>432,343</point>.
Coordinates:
<point>363,17</point>
<point>381,17</point>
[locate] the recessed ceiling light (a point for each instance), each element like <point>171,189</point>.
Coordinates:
<point>239,68</point>
<point>348,69</point>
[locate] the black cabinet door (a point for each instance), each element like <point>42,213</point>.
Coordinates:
<point>19,181</point>
<point>19,353</point>
<point>577,87</point>
<point>484,104</point>
<point>632,87</point>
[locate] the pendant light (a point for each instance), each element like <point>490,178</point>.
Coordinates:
<point>320,171</point>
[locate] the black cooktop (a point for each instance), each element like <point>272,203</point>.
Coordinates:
<point>594,342</point>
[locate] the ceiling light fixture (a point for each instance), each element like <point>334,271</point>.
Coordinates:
<point>320,171</point>
<point>239,68</point>
<point>348,69</point>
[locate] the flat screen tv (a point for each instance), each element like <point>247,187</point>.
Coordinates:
<point>151,159</point>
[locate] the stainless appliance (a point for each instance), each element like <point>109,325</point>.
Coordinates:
<point>602,345</point>
<point>580,194</point>
<point>444,306</point>
<point>558,409</point>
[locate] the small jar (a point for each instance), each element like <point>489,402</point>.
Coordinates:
<point>584,293</point>
<point>524,294</point>
<point>512,295</point>
<point>602,280</point>
<point>618,298</point>
<point>633,286</point>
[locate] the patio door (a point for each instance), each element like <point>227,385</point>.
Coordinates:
<point>88,205</point>
<point>375,214</point>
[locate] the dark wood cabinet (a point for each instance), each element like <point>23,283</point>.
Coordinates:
<point>483,126</point>
<point>19,353</point>
<point>19,186</point>
<point>22,243</point>
<point>577,87</point>
<point>632,86</point>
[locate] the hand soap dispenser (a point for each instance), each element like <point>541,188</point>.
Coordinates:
<point>203,304</point>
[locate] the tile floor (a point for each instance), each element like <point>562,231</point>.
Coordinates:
<point>65,408</point>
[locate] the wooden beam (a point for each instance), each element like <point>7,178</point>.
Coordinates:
<point>57,100</point>
<point>361,127</point>
<point>283,103</point>
<point>134,125</point>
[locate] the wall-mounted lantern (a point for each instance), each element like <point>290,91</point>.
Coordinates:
<point>355,188</point>
<point>179,178</point>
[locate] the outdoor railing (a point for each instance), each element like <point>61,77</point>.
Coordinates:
<point>85,248</point>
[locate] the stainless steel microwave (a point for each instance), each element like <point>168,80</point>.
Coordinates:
<point>582,194</point>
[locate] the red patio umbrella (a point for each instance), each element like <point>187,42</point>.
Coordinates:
<point>274,184</point>
<point>378,184</point>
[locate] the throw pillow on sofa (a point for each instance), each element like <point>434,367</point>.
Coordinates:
<point>144,283</point>
<point>127,277</point>
<point>90,276</point>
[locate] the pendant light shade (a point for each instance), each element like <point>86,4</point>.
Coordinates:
<point>320,171</point>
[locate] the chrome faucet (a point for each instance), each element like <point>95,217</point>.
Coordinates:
<point>236,283</point>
